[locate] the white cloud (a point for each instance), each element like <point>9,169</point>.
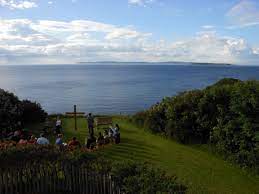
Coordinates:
<point>124,33</point>
<point>256,51</point>
<point>208,27</point>
<point>14,4</point>
<point>43,41</point>
<point>243,14</point>
<point>140,2</point>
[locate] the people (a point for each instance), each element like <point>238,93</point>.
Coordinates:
<point>42,140</point>
<point>110,132</point>
<point>22,141</point>
<point>106,137</point>
<point>59,140</point>
<point>32,140</point>
<point>90,121</point>
<point>114,133</point>
<point>90,141</point>
<point>16,136</point>
<point>117,134</point>
<point>74,143</point>
<point>100,139</point>
<point>58,125</point>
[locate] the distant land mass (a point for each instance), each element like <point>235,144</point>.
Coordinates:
<point>166,62</point>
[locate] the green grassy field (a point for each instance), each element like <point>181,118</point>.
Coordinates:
<point>200,170</point>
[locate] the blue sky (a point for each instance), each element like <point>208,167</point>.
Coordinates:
<point>69,31</point>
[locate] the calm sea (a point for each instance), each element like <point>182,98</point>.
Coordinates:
<point>111,88</point>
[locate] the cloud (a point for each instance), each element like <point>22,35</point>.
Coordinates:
<point>140,2</point>
<point>243,14</point>
<point>13,4</point>
<point>208,27</point>
<point>125,34</point>
<point>45,41</point>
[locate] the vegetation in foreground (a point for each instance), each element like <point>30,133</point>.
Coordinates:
<point>15,113</point>
<point>224,115</point>
<point>201,171</point>
<point>68,166</point>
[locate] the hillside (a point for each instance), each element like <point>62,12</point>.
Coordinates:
<point>202,171</point>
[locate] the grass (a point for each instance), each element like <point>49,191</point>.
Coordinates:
<point>202,171</point>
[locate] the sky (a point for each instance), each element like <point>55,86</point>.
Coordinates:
<point>72,31</point>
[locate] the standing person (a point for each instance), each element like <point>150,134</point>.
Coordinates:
<point>58,125</point>
<point>117,134</point>
<point>90,121</point>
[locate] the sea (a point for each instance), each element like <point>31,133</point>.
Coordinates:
<point>112,88</point>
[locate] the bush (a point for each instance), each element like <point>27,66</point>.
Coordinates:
<point>225,114</point>
<point>139,118</point>
<point>15,155</point>
<point>134,178</point>
<point>13,111</point>
<point>10,110</point>
<point>130,177</point>
<point>182,116</point>
<point>32,112</point>
<point>235,132</point>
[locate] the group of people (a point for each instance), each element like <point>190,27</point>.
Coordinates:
<point>108,136</point>
<point>19,136</point>
<point>112,134</point>
<point>24,137</point>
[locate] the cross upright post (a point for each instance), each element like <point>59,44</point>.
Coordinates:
<point>75,117</point>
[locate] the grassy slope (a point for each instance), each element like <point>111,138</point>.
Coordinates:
<point>202,171</point>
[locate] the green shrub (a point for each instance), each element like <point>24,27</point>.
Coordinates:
<point>10,110</point>
<point>225,114</point>
<point>32,112</point>
<point>134,178</point>
<point>13,111</point>
<point>139,118</point>
<point>130,177</point>
<point>182,116</point>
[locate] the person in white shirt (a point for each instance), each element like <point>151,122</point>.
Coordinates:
<point>110,132</point>
<point>58,126</point>
<point>42,140</point>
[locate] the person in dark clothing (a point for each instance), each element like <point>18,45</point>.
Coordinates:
<point>117,134</point>
<point>100,139</point>
<point>90,121</point>
<point>90,142</point>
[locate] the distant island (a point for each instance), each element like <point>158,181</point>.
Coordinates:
<point>165,62</point>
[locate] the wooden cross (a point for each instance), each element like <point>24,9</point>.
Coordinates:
<point>75,117</point>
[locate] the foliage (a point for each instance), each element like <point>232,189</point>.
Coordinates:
<point>181,115</point>
<point>235,132</point>
<point>10,110</point>
<point>32,112</point>
<point>131,177</point>
<point>134,177</point>
<point>13,111</point>
<point>14,155</point>
<point>225,114</point>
